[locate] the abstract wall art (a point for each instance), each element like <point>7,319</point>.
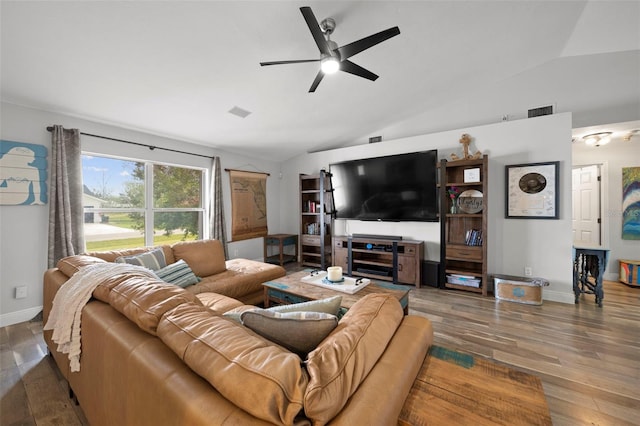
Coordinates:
<point>631,203</point>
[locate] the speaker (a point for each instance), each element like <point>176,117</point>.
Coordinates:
<point>430,273</point>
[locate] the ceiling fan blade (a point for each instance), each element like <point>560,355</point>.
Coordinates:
<point>288,62</point>
<point>317,81</point>
<point>351,49</point>
<point>316,32</point>
<point>351,68</point>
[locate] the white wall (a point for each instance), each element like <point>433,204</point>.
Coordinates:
<point>544,245</point>
<point>613,157</point>
<point>23,229</point>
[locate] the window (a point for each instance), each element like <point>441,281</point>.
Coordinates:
<point>130,203</point>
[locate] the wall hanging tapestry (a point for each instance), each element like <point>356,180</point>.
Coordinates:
<point>23,173</point>
<point>248,204</point>
<point>631,203</point>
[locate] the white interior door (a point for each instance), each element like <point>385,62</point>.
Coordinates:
<point>586,205</point>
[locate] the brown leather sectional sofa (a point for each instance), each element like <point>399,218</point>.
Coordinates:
<point>157,354</point>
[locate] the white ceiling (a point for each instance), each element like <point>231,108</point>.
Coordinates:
<point>175,68</point>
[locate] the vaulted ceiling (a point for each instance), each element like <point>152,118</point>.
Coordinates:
<point>176,68</point>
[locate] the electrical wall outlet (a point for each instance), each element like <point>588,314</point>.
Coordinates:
<point>527,271</point>
<point>21,292</point>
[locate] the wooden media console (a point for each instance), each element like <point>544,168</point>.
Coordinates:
<point>384,259</point>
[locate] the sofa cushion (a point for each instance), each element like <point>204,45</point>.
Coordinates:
<point>145,301</point>
<point>300,332</point>
<point>103,290</point>
<point>178,273</point>
<point>258,376</point>
<point>241,277</point>
<point>342,361</point>
<point>330,305</point>
<point>205,257</point>
<point>220,304</point>
<point>153,259</point>
<point>112,255</point>
<point>71,264</point>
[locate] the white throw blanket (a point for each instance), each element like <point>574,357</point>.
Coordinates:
<point>64,318</point>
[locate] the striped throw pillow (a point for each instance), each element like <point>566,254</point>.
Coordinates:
<point>178,273</point>
<point>153,259</point>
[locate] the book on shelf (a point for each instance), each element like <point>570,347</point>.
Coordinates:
<point>463,277</point>
<point>311,207</point>
<point>473,237</point>
<point>466,280</point>
<point>314,228</point>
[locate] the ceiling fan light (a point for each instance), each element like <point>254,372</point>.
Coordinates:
<point>597,139</point>
<point>591,140</point>
<point>329,65</point>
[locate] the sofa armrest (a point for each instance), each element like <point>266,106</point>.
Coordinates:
<point>396,370</point>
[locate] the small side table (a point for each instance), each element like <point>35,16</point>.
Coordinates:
<point>589,261</point>
<point>281,241</point>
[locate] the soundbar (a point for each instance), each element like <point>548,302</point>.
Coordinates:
<point>378,237</point>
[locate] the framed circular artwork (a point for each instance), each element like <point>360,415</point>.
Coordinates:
<point>532,191</point>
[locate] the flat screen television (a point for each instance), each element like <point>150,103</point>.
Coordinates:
<point>392,188</point>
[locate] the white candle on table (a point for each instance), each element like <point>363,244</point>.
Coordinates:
<point>334,273</point>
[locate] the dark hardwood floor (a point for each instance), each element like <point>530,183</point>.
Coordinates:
<point>588,358</point>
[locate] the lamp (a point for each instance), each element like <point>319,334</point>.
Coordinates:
<point>597,139</point>
<point>329,64</point>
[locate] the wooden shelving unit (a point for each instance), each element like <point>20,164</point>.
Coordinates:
<point>316,208</point>
<point>463,235</point>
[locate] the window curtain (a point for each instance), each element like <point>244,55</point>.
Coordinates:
<point>216,210</point>
<point>66,234</point>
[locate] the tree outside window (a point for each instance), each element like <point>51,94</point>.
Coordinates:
<point>132,203</point>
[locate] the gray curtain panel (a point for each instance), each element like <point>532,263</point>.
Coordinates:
<point>66,234</point>
<point>216,210</point>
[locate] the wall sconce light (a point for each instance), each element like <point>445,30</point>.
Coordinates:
<point>597,139</point>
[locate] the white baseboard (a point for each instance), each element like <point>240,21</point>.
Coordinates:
<point>556,296</point>
<point>611,276</point>
<point>19,316</point>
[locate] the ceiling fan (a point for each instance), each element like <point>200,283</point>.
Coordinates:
<point>332,57</point>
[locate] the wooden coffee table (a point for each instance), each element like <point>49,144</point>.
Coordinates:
<point>291,289</point>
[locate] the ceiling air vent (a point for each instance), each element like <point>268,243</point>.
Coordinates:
<point>537,112</point>
<point>375,139</point>
<point>237,111</point>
